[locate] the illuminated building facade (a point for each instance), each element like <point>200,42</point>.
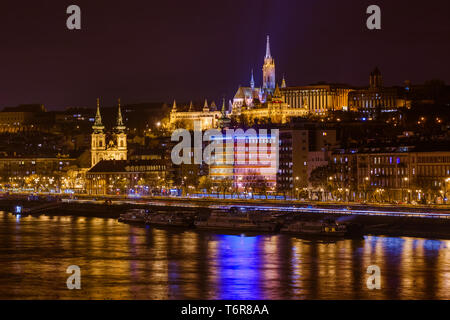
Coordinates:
<point>289,101</point>
<point>405,175</point>
<point>116,148</point>
<point>248,171</point>
<point>208,117</point>
<point>39,174</point>
<point>125,176</point>
<point>317,99</point>
<point>275,110</point>
<point>40,166</point>
<point>393,176</point>
<point>253,96</point>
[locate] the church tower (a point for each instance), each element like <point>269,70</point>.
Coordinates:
<point>98,143</point>
<point>174,106</point>
<point>252,82</point>
<point>376,80</point>
<point>283,83</point>
<point>268,70</point>
<point>224,121</point>
<point>120,136</point>
<point>205,106</point>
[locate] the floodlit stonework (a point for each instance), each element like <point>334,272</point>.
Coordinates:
<point>114,149</point>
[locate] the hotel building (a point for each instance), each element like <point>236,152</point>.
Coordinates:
<point>252,164</point>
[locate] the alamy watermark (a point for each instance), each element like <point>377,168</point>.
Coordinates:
<point>74,280</point>
<point>73,22</point>
<point>374,20</point>
<point>374,280</point>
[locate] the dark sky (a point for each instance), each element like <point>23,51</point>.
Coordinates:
<point>145,50</point>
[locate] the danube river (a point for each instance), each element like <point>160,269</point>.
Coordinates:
<point>120,261</point>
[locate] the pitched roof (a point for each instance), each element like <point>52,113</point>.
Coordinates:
<point>246,92</point>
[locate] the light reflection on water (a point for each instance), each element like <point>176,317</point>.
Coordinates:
<point>120,261</point>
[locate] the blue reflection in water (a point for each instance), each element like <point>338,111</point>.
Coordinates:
<point>239,263</point>
<point>433,245</point>
<point>415,244</point>
<point>173,277</point>
<point>391,244</point>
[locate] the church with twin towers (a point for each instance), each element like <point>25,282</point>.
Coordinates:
<point>108,145</point>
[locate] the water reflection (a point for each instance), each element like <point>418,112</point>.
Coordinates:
<point>239,262</point>
<point>120,261</point>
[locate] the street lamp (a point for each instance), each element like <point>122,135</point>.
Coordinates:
<point>183,183</point>
<point>405,179</point>
<point>296,185</point>
<point>419,195</point>
<point>366,186</point>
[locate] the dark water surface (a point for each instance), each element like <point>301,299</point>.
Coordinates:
<point>120,261</point>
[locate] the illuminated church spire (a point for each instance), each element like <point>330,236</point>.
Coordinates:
<point>223,108</point>
<point>268,69</point>
<point>98,125</point>
<point>224,121</point>
<point>283,83</point>
<point>205,106</point>
<point>116,148</point>
<point>268,56</point>
<point>119,123</point>
<point>174,106</point>
<point>252,81</point>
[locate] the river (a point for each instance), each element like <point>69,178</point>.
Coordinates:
<point>121,261</point>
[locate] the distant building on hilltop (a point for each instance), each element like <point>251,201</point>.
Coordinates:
<point>377,98</point>
<point>14,119</point>
<point>286,102</point>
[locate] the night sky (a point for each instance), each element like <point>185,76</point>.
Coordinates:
<point>148,51</point>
